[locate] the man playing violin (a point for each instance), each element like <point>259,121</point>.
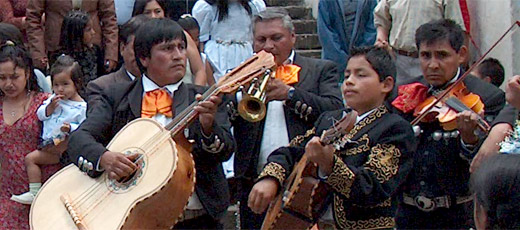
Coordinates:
<point>436,193</point>
<point>365,167</point>
<point>160,50</point>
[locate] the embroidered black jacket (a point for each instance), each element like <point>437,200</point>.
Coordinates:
<point>367,171</point>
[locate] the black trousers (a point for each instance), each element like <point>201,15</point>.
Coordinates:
<point>202,222</point>
<point>457,217</point>
<point>248,219</point>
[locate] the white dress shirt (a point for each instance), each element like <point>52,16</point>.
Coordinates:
<point>149,85</point>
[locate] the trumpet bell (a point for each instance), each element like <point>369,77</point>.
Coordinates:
<point>251,109</point>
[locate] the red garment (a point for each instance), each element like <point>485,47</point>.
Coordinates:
<point>13,11</point>
<point>16,141</point>
<point>410,96</point>
<point>465,15</point>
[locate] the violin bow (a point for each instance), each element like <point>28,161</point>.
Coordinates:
<point>446,91</point>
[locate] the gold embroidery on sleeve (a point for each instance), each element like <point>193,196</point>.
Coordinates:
<point>275,170</point>
<point>341,177</point>
<point>383,161</point>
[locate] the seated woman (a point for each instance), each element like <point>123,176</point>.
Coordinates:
<point>20,131</point>
<point>496,185</point>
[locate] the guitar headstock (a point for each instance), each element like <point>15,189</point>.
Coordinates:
<point>253,67</point>
<point>339,128</point>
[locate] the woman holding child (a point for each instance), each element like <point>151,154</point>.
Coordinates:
<point>20,131</point>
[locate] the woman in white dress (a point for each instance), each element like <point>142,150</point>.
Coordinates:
<point>225,30</point>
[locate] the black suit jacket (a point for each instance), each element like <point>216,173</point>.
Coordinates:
<point>317,91</point>
<point>96,87</point>
<point>441,167</point>
<point>121,103</point>
<point>366,172</point>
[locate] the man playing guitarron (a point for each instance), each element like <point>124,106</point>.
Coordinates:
<point>365,168</point>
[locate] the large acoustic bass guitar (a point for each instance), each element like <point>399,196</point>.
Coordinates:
<point>302,199</point>
<point>155,195</point>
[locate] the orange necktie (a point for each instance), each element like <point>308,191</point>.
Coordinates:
<point>288,73</point>
<point>157,101</point>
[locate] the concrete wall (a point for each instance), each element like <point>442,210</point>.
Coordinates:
<point>489,20</point>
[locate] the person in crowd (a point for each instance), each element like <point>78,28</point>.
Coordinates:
<point>396,23</point>
<point>436,193</point>
<point>20,97</point>
<point>128,71</point>
<point>124,10</point>
<point>343,24</point>
<point>13,12</point>
<point>302,90</point>
<point>504,135</point>
<point>9,32</point>
<point>490,70</point>
<point>225,31</point>
<point>45,41</point>
<point>363,174</point>
<point>190,25</point>
<point>61,114</point>
<point>157,9</point>
<point>77,41</point>
<point>495,185</point>
<point>179,8</point>
<point>160,50</point>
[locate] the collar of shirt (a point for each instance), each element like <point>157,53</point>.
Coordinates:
<point>130,75</point>
<point>360,117</point>
<point>290,59</point>
<point>149,85</point>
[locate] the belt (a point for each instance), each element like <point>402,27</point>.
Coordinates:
<point>413,54</point>
<point>427,204</point>
<point>189,214</point>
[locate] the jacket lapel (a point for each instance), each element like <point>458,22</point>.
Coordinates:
<point>135,98</point>
<point>180,99</point>
<point>299,61</point>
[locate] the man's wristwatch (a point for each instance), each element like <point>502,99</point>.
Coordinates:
<point>290,93</point>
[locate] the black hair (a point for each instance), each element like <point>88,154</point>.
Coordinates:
<point>130,27</point>
<point>440,30</point>
<point>20,57</point>
<point>72,30</point>
<point>493,68</point>
<point>223,7</point>
<point>139,6</point>
<point>67,63</point>
<point>379,59</point>
<point>496,184</point>
<point>188,23</point>
<point>9,32</point>
<point>381,62</point>
<point>153,32</point>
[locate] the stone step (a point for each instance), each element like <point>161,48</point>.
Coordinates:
<point>297,12</point>
<point>284,2</point>
<point>305,26</point>
<point>314,53</point>
<point>307,41</point>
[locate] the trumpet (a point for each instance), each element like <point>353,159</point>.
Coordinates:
<point>252,106</point>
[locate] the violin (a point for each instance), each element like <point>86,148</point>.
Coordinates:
<point>458,99</point>
<point>455,99</point>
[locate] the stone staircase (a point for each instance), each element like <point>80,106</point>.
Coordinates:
<point>307,42</point>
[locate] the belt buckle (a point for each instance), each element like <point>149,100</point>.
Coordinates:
<point>425,204</point>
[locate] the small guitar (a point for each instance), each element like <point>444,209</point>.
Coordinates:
<point>302,200</point>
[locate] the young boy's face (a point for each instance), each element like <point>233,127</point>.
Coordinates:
<point>361,88</point>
